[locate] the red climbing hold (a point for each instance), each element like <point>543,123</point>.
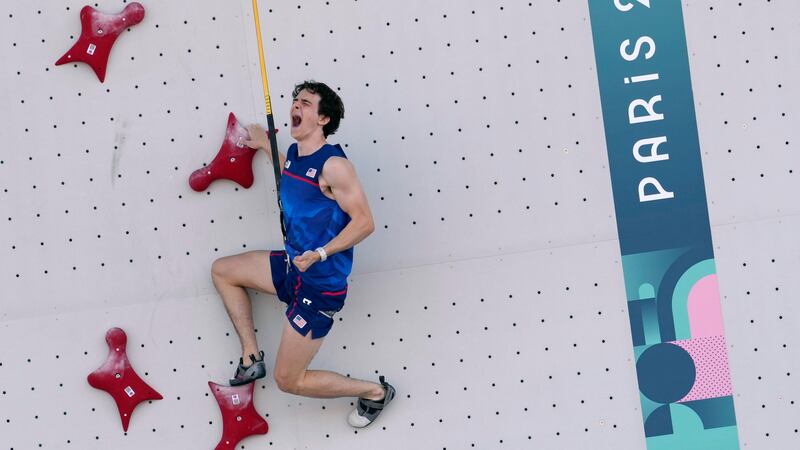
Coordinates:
<point>234,161</point>
<point>239,417</point>
<point>98,33</point>
<point>117,377</point>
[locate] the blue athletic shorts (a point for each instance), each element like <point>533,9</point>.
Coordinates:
<point>307,309</point>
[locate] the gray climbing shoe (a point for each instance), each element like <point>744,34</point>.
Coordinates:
<point>250,373</point>
<point>368,410</point>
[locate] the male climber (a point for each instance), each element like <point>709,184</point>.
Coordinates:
<point>326,214</point>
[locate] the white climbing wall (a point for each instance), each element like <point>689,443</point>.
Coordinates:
<point>491,292</point>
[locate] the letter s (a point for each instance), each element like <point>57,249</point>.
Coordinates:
<point>642,40</point>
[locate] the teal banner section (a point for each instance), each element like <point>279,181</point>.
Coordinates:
<point>662,219</point>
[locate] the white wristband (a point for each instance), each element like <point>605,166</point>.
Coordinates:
<point>322,255</point>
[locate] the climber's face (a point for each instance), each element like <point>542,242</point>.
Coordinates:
<point>305,117</point>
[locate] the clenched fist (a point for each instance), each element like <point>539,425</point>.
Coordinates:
<point>304,261</point>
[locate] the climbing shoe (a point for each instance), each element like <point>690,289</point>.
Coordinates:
<point>368,410</point>
<point>257,369</point>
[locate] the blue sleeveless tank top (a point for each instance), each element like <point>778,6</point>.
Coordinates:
<point>312,219</point>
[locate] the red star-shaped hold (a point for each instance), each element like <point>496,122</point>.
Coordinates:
<point>239,417</point>
<point>98,33</point>
<point>117,377</point>
<point>234,161</point>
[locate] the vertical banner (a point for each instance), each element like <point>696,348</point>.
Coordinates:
<point>662,220</point>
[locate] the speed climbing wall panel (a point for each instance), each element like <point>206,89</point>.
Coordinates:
<point>491,293</point>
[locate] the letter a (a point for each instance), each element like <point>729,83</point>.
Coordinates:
<point>653,156</point>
